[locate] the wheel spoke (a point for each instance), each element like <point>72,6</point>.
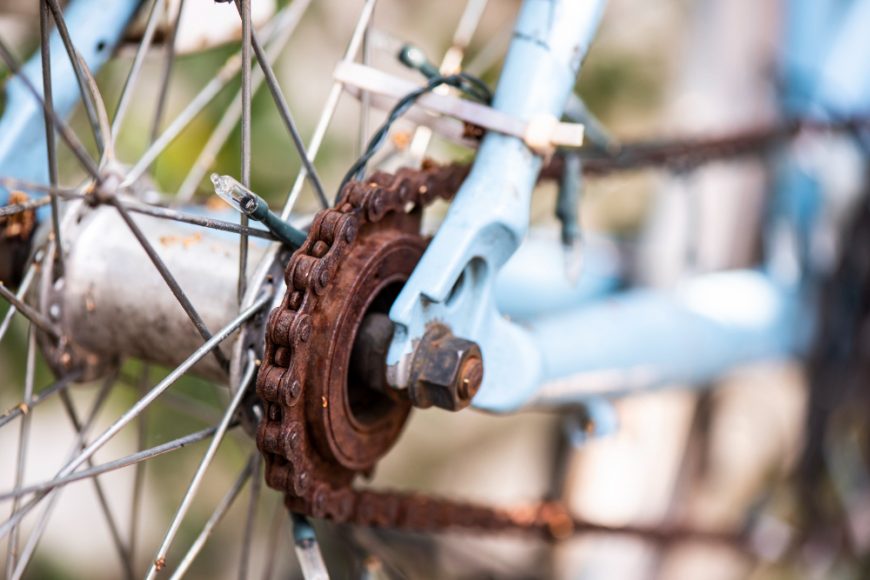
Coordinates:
<point>253,503</point>
<point>136,67</point>
<point>160,558</point>
<point>140,405</point>
<point>287,117</point>
<point>169,61</point>
<point>31,314</point>
<point>22,184</point>
<point>216,517</point>
<point>278,525</point>
<point>75,61</point>
<point>59,124</point>
<point>245,10</point>
<point>23,444</point>
<point>226,73</point>
<point>189,406</point>
<point>170,280</point>
<point>69,407</point>
<point>50,144</point>
<point>8,210</point>
<point>23,408</point>
<point>139,471</point>
<point>114,465</point>
<point>39,529</point>
<point>285,23</point>
<point>22,290</point>
<point>329,108</point>
<point>196,220</point>
<point>365,99</point>
<point>487,57</point>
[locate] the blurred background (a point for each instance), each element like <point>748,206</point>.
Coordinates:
<point>713,460</point>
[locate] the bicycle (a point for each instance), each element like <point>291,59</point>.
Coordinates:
<point>331,330</point>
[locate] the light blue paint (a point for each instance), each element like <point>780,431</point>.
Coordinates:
<point>644,338</point>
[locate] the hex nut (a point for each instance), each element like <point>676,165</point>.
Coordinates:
<point>446,370</point>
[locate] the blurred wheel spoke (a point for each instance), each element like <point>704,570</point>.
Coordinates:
<point>157,7</point>
<point>160,558</point>
<point>329,108</point>
<point>216,517</point>
<point>253,503</point>
<point>72,53</point>
<point>135,409</point>
<point>23,444</point>
<point>39,529</point>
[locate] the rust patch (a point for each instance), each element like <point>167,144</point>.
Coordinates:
<point>185,241</point>
<point>19,225</point>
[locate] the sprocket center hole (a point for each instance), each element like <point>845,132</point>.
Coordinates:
<point>368,404</point>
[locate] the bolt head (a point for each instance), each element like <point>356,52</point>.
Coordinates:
<point>446,371</point>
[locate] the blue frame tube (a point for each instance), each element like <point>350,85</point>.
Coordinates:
<point>644,338</point>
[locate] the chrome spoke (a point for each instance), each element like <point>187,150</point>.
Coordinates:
<point>108,152</point>
<point>136,67</point>
<point>193,109</point>
<point>69,407</point>
<point>287,117</point>
<point>50,144</point>
<point>170,280</point>
<point>22,290</point>
<point>329,108</point>
<point>14,183</point>
<point>279,524</point>
<point>114,465</point>
<point>285,24</point>
<point>191,407</point>
<point>139,471</point>
<point>487,57</point>
<point>216,517</point>
<point>75,61</point>
<point>245,10</point>
<point>168,62</point>
<point>171,214</point>
<point>365,99</point>
<point>160,558</point>
<point>23,408</point>
<point>31,314</point>
<point>8,210</point>
<point>39,529</point>
<point>143,403</point>
<point>60,125</point>
<point>23,444</point>
<point>253,503</point>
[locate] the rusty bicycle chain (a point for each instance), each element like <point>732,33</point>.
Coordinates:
<point>282,435</point>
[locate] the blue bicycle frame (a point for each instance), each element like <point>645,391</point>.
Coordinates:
<point>546,342</point>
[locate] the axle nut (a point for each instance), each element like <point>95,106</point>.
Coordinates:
<point>446,371</point>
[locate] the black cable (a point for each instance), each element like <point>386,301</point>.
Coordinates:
<point>471,86</point>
